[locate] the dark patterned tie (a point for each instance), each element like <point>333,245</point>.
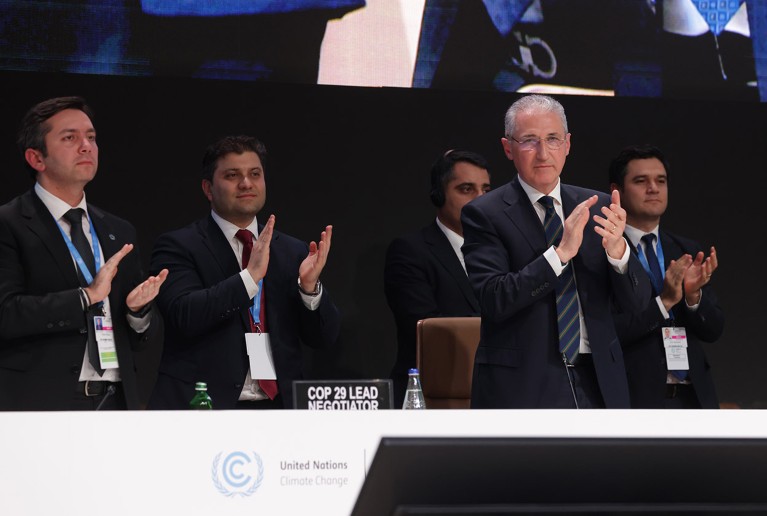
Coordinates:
<point>567,300</point>
<point>77,235</point>
<point>246,237</point>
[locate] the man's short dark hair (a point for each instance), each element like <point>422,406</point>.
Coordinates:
<point>230,145</point>
<point>34,128</point>
<point>618,165</point>
<point>442,172</point>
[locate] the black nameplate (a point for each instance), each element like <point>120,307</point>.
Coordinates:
<point>342,394</point>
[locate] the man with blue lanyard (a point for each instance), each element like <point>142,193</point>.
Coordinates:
<point>662,346</point>
<point>70,319</point>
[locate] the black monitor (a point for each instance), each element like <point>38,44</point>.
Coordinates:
<point>546,476</point>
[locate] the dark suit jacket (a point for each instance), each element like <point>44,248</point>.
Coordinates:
<point>423,278</point>
<point>205,306</point>
<point>43,330</point>
<point>517,363</point>
<point>640,334</point>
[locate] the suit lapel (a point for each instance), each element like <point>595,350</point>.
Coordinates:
<point>40,222</point>
<point>272,316</point>
<point>110,241</point>
<point>220,250</point>
<point>591,244</point>
<point>522,215</point>
<point>569,200</point>
<point>440,247</point>
<point>671,250</point>
<point>221,253</point>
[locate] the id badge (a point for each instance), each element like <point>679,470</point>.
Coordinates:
<point>675,344</point>
<point>260,356</point>
<point>105,339</point>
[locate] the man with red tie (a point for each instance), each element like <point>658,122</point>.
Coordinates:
<point>243,298</point>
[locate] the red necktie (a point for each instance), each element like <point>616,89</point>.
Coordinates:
<point>246,237</point>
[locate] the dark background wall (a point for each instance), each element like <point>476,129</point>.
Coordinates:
<point>358,158</point>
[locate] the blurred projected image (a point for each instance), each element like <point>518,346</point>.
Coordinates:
<point>700,49</point>
<point>674,48</point>
<point>235,39</point>
<point>230,39</point>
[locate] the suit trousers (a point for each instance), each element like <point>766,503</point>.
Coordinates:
<point>583,380</point>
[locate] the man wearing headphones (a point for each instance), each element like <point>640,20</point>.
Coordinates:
<point>425,275</point>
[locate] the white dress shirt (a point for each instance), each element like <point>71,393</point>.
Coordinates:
<point>250,389</point>
<point>58,208</point>
<point>456,241</point>
<point>551,256</point>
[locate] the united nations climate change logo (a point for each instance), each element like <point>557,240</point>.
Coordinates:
<point>239,474</point>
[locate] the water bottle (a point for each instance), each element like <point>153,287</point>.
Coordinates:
<point>414,394</point>
<point>201,400</point>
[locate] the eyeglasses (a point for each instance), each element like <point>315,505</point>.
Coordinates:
<point>529,144</point>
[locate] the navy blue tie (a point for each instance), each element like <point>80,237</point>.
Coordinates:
<point>567,298</point>
<point>656,276</point>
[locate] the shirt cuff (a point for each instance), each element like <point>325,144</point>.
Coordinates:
<point>621,265</point>
<point>139,324</point>
<point>553,258</point>
<point>662,308</point>
<point>694,307</point>
<point>250,285</point>
<point>311,302</point>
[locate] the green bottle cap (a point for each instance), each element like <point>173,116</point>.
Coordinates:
<point>201,386</point>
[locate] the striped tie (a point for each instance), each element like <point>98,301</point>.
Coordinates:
<point>567,300</point>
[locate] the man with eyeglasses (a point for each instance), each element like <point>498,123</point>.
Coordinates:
<point>668,368</point>
<point>546,288</point>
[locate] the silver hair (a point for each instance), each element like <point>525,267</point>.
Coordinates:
<point>535,103</point>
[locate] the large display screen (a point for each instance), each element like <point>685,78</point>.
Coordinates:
<point>703,49</point>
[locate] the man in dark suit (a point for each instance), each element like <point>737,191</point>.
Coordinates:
<point>526,266</point>
<point>223,308</point>
<point>684,302</point>
<point>60,286</point>
<point>425,275</point>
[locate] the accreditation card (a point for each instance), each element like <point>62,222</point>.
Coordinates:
<point>260,356</point>
<point>105,339</point>
<point>675,344</point>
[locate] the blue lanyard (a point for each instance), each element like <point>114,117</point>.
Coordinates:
<point>255,310</point>
<point>76,255</point>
